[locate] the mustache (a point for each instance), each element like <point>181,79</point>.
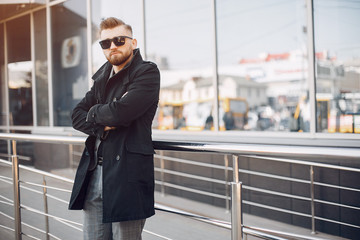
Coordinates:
<point>114,51</point>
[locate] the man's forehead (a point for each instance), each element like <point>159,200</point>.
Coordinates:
<point>114,32</point>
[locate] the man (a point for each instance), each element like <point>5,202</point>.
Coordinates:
<point>114,183</point>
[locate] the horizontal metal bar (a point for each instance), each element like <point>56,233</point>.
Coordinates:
<point>41,193</point>
<point>30,236</point>
<point>7,199</point>
<point>56,198</point>
<point>49,215</point>
<point>56,139</point>
<point>7,228</point>
<point>276,193</point>
<point>26,158</point>
<point>263,149</point>
<point>308,163</point>
<point>40,172</point>
<point>68,224</point>
<point>219,147</point>
<point>201,164</point>
<point>7,203</point>
<point>285,235</point>
<point>6,178</point>
<point>53,236</point>
<point>337,222</point>
<point>157,235</point>
<point>337,187</point>
<point>23,223</point>
<point>298,197</point>
<point>275,208</point>
<point>336,204</point>
<point>273,176</point>
<point>8,216</point>
<point>190,176</point>
<point>191,190</point>
<point>46,186</point>
<point>64,179</point>
<point>34,228</point>
<point>261,235</point>
<point>297,213</point>
<point>216,222</point>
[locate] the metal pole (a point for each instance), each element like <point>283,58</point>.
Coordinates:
<point>312,200</point>
<point>46,211</point>
<point>311,63</point>
<point>226,163</point>
<point>162,175</point>
<point>15,173</point>
<point>236,211</point>
<point>215,108</point>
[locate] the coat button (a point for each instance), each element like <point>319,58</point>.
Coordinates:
<point>118,157</point>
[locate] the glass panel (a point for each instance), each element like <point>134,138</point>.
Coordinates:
<point>2,79</point>
<point>130,12</point>
<point>182,47</point>
<point>10,10</point>
<point>19,70</point>
<point>263,65</point>
<point>41,73</point>
<point>337,38</point>
<point>69,50</point>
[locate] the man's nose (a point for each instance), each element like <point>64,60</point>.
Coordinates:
<point>112,45</point>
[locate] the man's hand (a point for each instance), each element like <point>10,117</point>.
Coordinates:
<point>107,128</point>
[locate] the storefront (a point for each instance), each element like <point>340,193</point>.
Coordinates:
<point>295,64</point>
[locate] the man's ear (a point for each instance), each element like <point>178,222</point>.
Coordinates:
<point>134,44</point>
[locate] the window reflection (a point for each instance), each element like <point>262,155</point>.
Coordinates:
<point>263,60</point>
<point>19,71</point>
<point>70,80</point>
<point>182,47</point>
<point>337,38</point>
<point>41,65</point>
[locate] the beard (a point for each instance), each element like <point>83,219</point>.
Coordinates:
<point>118,59</point>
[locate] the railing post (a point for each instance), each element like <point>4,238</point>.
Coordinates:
<point>162,175</point>
<point>46,211</point>
<point>15,175</point>
<point>236,211</point>
<point>312,193</point>
<point>226,164</point>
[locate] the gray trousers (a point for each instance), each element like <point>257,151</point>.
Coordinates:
<point>94,228</point>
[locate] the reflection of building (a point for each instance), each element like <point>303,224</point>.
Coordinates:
<point>198,88</point>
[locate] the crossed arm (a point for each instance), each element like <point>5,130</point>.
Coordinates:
<point>95,119</point>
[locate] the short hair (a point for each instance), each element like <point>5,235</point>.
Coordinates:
<point>112,22</point>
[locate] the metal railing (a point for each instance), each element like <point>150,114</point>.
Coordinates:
<point>276,153</point>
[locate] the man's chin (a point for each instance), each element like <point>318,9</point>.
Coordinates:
<point>116,61</point>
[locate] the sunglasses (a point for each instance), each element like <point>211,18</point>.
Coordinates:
<point>118,41</point>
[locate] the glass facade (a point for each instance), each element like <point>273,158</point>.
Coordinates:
<point>263,65</point>
<point>225,65</point>
<point>41,68</point>
<point>182,48</point>
<point>337,38</point>
<point>19,71</point>
<point>69,58</point>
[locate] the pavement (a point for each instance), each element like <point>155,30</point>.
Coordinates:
<point>163,225</point>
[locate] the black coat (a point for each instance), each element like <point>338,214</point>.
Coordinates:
<point>127,101</point>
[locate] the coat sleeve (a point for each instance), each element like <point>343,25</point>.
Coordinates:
<point>80,113</point>
<point>142,93</point>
